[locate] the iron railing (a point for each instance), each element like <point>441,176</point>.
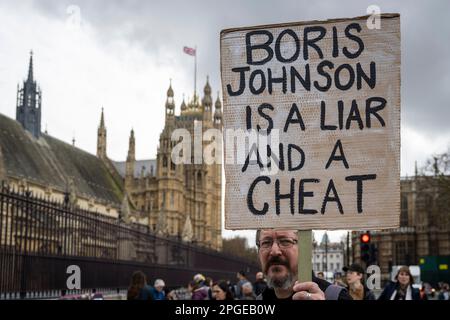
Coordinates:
<point>40,238</point>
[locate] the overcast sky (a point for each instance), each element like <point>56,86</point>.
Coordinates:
<point>121,55</point>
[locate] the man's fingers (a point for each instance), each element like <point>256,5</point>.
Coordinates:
<point>305,295</point>
<point>310,287</point>
<point>307,291</point>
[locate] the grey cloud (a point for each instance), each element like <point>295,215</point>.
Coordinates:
<point>172,24</point>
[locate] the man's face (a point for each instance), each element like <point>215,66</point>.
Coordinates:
<point>279,265</point>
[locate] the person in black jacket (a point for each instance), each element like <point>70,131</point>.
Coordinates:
<point>401,288</point>
<point>138,289</point>
<point>278,254</point>
<point>355,280</point>
<point>260,284</point>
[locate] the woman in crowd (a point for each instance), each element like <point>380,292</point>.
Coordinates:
<point>401,288</point>
<point>198,288</point>
<point>221,291</point>
<point>158,290</point>
<point>138,289</point>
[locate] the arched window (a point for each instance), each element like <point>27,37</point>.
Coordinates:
<point>165,161</point>
<point>404,212</point>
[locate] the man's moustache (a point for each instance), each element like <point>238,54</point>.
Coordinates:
<point>275,261</point>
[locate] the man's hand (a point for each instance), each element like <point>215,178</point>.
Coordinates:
<point>307,291</point>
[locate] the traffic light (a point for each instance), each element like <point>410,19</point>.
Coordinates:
<point>364,244</point>
<point>373,253</point>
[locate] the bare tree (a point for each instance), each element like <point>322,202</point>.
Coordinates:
<point>238,246</point>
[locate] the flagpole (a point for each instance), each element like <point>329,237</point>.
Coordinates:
<point>195,72</point>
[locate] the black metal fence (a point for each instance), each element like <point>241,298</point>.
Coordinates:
<point>40,239</point>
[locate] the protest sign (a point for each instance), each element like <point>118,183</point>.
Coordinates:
<point>322,99</point>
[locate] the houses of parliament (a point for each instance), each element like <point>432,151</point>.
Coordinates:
<point>182,201</point>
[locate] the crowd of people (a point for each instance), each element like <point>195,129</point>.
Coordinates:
<point>199,288</point>
<point>278,256</point>
<point>402,288</point>
<point>204,288</point>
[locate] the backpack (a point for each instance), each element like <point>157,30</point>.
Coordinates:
<point>332,292</point>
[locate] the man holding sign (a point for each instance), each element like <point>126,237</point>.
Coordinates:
<point>316,106</point>
<point>277,251</point>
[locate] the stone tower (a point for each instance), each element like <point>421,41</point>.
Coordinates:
<point>130,163</point>
<point>169,176</point>
<point>28,105</point>
<point>101,138</point>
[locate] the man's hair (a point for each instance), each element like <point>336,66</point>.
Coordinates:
<point>258,234</point>
<point>242,273</point>
<point>247,284</point>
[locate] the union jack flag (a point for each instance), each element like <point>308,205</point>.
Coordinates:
<point>189,51</point>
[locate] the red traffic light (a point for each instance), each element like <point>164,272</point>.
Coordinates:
<point>365,238</point>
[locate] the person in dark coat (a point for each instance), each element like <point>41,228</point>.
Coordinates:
<point>260,284</point>
<point>356,286</point>
<point>138,289</point>
<point>401,288</point>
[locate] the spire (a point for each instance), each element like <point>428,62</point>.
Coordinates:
<point>207,100</point>
<point>28,106</point>
<point>325,239</point>
<point>101,138</point>
<point>218,111</point>
<point>415,168</point>
<point>30,68</point>
<point>183,105</point>
<point>130,163</point>
<point>170,90</point>
<point>102,120</point>
<point>207,89</point>
<point>170,103</point>
<point>218,103</point>
<point>131,147</point>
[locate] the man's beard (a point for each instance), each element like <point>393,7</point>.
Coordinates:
<point>285,282</point>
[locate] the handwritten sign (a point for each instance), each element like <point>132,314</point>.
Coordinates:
<point>322,99</point>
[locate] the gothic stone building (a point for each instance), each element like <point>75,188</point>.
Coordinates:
<point>179,200</point>
<point>183,201</point>
<point>424,226</point>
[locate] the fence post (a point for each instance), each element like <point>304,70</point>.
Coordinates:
<point>23,253</point>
